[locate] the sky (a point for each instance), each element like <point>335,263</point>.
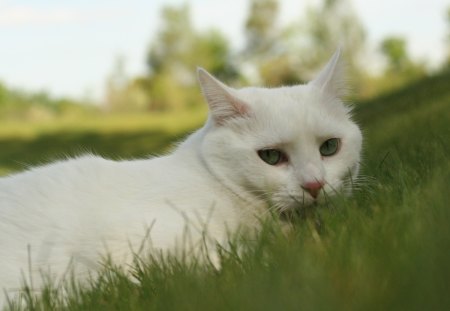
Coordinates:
<point>68,48</point>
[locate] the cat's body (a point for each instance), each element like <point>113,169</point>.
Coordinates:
<point>260,149</point>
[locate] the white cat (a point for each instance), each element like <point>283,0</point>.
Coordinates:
<point>260,149</point>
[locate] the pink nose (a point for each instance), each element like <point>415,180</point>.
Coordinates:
<point>313,188</point>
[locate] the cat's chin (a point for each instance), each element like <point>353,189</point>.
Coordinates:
<point>298,206</point>
<point>294,205</point>
<point>298,211</point>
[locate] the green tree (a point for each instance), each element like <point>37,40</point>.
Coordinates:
<point>400,69</point>
<point>115,85</point>
<point>266,54</point>
<point>291,54</point>
<point>174,38</point>
<point>333,23</point>
<point>394,50</point>
<point>260,26</point>
<point>172,59</point>
<point>122,93</point>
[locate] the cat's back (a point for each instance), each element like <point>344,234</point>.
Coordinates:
<point>61,179</point>
<point>91,188</point>
<point>86,180</point>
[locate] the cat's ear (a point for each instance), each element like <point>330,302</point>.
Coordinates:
<point>331,79</point>
<point>223,105</point>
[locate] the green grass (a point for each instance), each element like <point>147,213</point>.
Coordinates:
<point>115,136</point>
<point>385,248</point>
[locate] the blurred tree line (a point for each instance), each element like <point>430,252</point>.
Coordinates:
<point>21,105</point>
<point>172,60</point>
<point>273,54</point>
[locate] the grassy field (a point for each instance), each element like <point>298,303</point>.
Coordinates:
<point>114,136</point>
<point>385,248</point>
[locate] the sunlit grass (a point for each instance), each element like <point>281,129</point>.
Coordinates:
<point>115,135</point>
<point>172,122</point>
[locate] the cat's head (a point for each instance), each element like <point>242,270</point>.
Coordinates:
<point>289,145</point>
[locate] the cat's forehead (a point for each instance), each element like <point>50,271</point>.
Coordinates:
<point>299,102</point>
<point>260,94</point>
<point>289,113</point>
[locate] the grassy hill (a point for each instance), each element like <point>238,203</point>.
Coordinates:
<point>386,248</point>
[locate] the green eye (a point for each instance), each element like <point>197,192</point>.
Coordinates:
<point>330,147</point>
<point>272,156</point>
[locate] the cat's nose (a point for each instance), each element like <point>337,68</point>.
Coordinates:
<point>313,188</point>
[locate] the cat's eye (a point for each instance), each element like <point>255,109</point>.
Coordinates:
<point>330,147</point>
<point>272,156</point>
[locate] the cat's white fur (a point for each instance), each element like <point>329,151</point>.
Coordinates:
<point>214,183</point>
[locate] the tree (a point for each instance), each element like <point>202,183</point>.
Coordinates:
<point>260,27</point>
<point>179,47</point>
<point>174,56</point>
<point>123,94</point>
<point>173,40</point>
<point>267,56</point>
<point>329,25</point>
<point>293,53</point>
<point>115,85</point>
<point>400,69</point>
<point>394,50</point>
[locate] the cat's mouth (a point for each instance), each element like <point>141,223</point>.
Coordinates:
<point>297,207</point>
<point>290,205</point>
<point>299,212</point>
<point>305,200</point>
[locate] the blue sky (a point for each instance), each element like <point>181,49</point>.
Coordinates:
<point>68,47</point>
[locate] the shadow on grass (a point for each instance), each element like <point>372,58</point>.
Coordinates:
<point>17,153</point>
